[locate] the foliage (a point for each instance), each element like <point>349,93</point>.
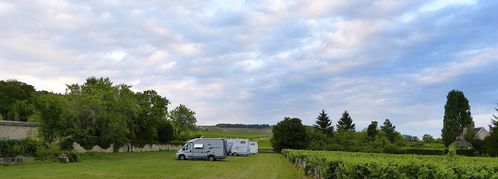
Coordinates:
<point>372,130</point>
<point>183,119</point>
<point>289,133</point>
<point>20,110</point>
<point>56,117</point>
<point>491,142</point>
<point>389,130</point>
<point>324,124</point>
<point>427,138</point>
<point>345,123</point>
<point>469,134</point>
<point>367,165</point>
<point>317,139</point>
<point>15,97</point>
<point>151,113</point>
<point>26,147</point>
<point>456,116</point>
<point>165,132</point>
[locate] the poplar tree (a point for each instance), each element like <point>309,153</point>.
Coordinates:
<point>456,116</point>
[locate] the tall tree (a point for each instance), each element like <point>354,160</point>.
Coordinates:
<point>372,130</point>
<point>152,111</point>
<point>289,133</point>
<point>12,91</point>
<point>324,124</point>
<point>491,142</point>
<point>345,123</point>
<point>389,129</point>
<point>456,116</point>
<point>183,119</point>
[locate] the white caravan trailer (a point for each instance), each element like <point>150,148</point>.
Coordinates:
<point>253,147</point>
<point>239,146</point>
<point>204,148</point>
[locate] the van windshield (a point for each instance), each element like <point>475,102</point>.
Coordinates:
<point>187,146</point>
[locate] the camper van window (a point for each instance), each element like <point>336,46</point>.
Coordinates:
<point>198,146</point>
<point>242,142</point>
<point>253,144</point>
<point>187,147</point>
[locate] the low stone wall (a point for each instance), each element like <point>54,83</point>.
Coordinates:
<point>17,129</point>
<point>126,148</point>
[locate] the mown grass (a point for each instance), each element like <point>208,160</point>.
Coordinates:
<point>156,165</point>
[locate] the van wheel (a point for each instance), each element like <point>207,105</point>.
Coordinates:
<point>235,154</point>
<point>211,158</point>
<point>181,157</point>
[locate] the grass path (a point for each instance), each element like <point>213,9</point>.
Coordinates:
<point>157,165</point>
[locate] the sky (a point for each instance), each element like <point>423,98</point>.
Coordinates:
<point>257,61</point>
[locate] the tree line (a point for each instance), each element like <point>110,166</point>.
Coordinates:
<point>291,133</point>
<point>97,112</point>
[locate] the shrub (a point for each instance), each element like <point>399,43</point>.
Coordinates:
<point>73,157</point>
<point>368,165</point>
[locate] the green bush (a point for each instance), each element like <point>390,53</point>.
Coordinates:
<point>48,153</point>
<point>26,147</point>
<point>73,157</point>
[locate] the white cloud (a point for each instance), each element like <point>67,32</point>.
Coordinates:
<point>256,62</point>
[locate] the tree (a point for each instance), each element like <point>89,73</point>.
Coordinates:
<point>491,142</point>
<point>289,133</point>
<point>102,112</point>
<point>372,130</point>
<point>183,119</point>
<point>12,91</point>
<point>427,138</point>
<point>57,119</point>
<point>152,111</point>
<point>165,132</point>
<point>456,116</point>
<point>345,123</point>
<point>389,129</point>
<point>324,124</point>
<point>20,110</point>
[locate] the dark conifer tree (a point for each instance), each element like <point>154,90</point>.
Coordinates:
<point>345,123</point>
<point>324,124</point>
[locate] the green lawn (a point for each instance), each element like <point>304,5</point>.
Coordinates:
<point>156,165</point>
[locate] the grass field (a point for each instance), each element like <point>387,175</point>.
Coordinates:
<point>262,136</point>
<point>156,165</point>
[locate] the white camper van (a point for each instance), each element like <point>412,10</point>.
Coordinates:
<point>204,148</point>
<point>253,147</point>
<point>239,146</point>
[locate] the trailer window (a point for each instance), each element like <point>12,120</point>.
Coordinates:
<point>242,142</point>
<point>253,144</point>
<point>198,146</point>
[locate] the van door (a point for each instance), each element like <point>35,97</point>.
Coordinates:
<point>187,150</point>
<point>198,151</point>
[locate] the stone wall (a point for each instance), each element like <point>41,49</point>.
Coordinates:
<point>17,129</point>
<point>127,148</point>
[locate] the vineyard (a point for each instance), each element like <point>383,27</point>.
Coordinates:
<point>332,164</point>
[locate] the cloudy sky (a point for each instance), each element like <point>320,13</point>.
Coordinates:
<point>258,61</point>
